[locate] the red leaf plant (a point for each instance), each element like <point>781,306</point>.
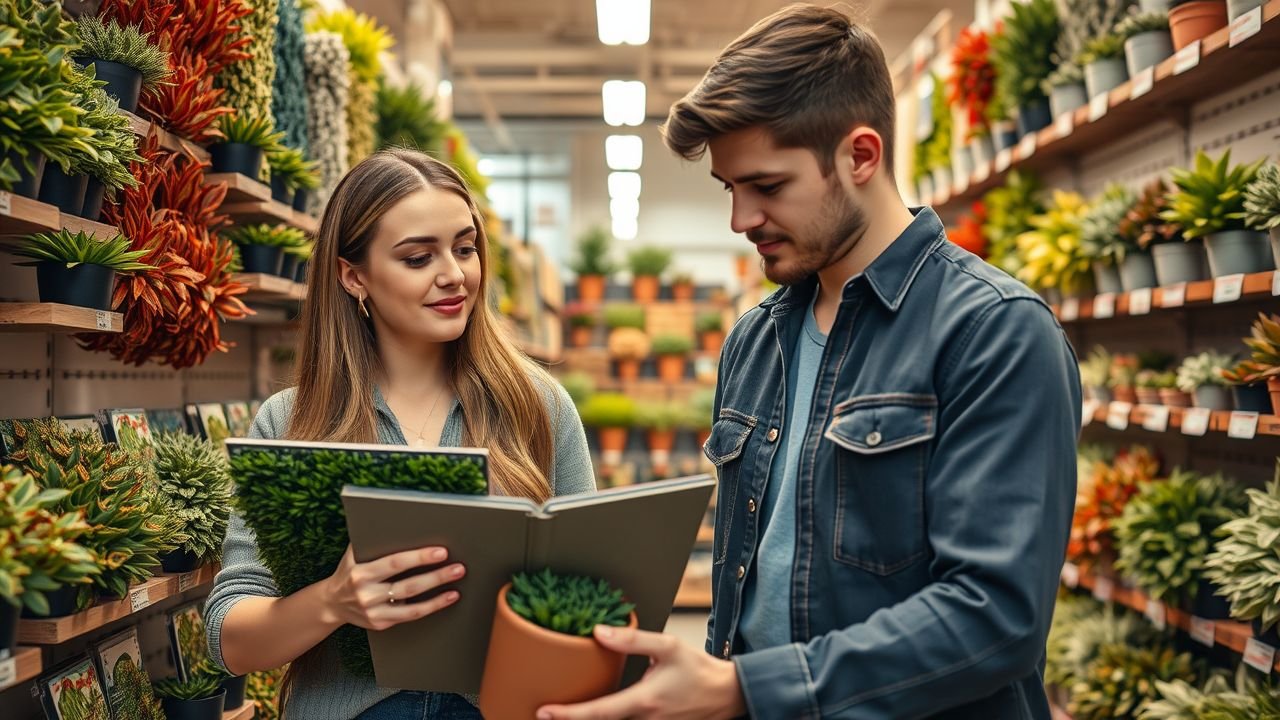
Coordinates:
<point>1102,500</point>
<point>973,78</point>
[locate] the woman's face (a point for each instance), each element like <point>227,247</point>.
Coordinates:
<point>422,271</point>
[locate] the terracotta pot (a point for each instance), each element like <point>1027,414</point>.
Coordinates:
<point>740,263</point>
<point>529,666</point>
<point>683,292</point>
<point>671,368</point>
<point>1273,387</point>
<point>1174,397</point>
<point>1196,20</point>
<point>1124,394</point>
<point>703,437</point>
<point>591,288</point>
<point>712,341</point>
<point>629,370</point>
<point>1148,396</point>
<point>613,439</point>
<point>662,440</point>
<point>581,337</point>
<point>644,288</point>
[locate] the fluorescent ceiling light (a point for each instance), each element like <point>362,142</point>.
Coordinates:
<point>623,21</point>
<point>625,228</point>
<point>623,102</point>
<point>624,186</point>
<point>623,152</point>
<point>445,88</point>
<point>624,208</point>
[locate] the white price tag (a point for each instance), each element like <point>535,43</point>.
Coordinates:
<point>1155,613</point>
<point>103,319</point>
<point>1275,283</point>
<point>1243,426</point>
<point>1259,655</point>
<point>139,598</point>
<point>1195,421</point>
<point>1071,575</point>
<point>8,671</point>
<point>961,184</point>
<point>1118,415</point>
<point>941,196</point>
<point>1004,159</point>
<point>1174,295</point>
<point>1103,589</point>
<point>1090,409</point>
<point>1027,146</point>
<point>187,580</point>
<point>1140,301</point>
<point>1228,288</point>
<point>6,205</point>
<point>1065,123</point>
<point>1187,58</point>
<point>1070,310</point>
<point>983,172</point>
<point>1142,83</point>
<point>1246,26</point>
<point>1098,107</point>
<point>1104,306</point>
<point>1156,418</point>
<point>1202,631</point>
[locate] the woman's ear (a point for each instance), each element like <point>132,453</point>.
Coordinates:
<point>350,277</point>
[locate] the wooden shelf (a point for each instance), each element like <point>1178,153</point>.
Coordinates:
<point>271,212</point>
<point>54,317</point>
<point>706,534</point>
<point>20,216</point>
<point>55,631</point>
<point>691,599</point>
<point>244,712</point>
<point>1219,422</point>
<point>169,141</point>
<point>27,665</point>
<point>1255,287</point>
<point>1221,68</point>
<point>270,288</point>
<point>240,188</point>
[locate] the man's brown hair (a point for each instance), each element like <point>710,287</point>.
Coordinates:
<point>807,75</point>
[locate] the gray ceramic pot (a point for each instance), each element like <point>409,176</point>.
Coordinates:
<point>1104,76</point>
<point>1106,276</point>
<point>1066,98</point>
<point>1180,262</point>
<point>1238,251</point>
<point>1146,50</point>
<point>1137,271</point>
<point>1214,397</point>
<point>1236,8</point>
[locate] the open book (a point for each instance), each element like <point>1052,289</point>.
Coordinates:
<point>638,538</point>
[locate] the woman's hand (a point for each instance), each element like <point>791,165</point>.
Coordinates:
<point>363,595</point>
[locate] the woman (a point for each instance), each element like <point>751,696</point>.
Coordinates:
<point>398,346</point>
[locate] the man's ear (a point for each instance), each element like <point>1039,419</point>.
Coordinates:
<point>860,155</point>
<point>350,277</point>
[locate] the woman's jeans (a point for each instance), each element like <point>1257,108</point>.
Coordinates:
<point>422,706</point>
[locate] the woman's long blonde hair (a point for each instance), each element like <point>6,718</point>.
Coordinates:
<point>503,409</point>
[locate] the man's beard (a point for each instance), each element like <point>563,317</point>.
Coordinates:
<point>829,238</point>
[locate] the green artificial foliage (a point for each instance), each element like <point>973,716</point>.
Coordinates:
<point>248,83</point>
<point>292,500</point>
<point>1210,196</point>
<point>1121,681</point>
<point>133,697</point>
<point>124,45</point>
<point>407,117</point>
<point>1023,52</point>
<point>593,254</point>
<point>328,68</point>
<point>199,687</point>
<point>292,165</point>
<point>624,316</point>
<point>255,130</point>
<point>608,410</point>
<point>1100,237</point>
<point>1137,23</point>
<point>1103,47</point>
<point>651,261</point>
<point>78,248</point>
<point>39,548</point>
<point>1245,563</point>
<point>710,321</point>
<point>567,604</point>
<point>282,236</point>
<point>937,152</point>
<point>289,86</point>
<point>1262,199</point>
<point>365,41</point>
<point>194,479</point>
<point>1009,212</point>
<point>672,344</point>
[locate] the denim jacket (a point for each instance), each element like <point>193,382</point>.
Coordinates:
<point>934,497</point>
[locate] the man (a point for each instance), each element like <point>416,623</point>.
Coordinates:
<point>895,428</point>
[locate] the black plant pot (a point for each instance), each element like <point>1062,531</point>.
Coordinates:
<point>93,195</point>
<point>207,709</point>
<point>302,272</point>
<point>234,687</point>
<point>236,158</point>
<point>62,602</point>
<point>1252,398</point>
<point>1209,605</point>
<point>8,626</point>
<point>279,192</point>
<point>179,561</point>
<point>84,285</point>
<point>1034,117</point>
<point>1270,637</point>
<point>261,259</point>
<point>289,268</point>
<point>63,190</point>
<point>301,197</point>
<point>123,82</point>
<point>28,184</point>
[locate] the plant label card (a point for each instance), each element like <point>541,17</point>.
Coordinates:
<point>1098,106</point>
<point>1155,613</point>
<point>1243,425</point>
<point>187,580</point>
<point>1195,421</point>
<point>102,319</point>
<point>1275,283</point>
<point>213,422</point>
<point>1070,310</point>
<point>73,692</point>
<point>960,185</point>
<point>1004,159</point>
<point>1071,575</point>
<point>1142,83</point>
<point>1065,124</point>
<point>8,671</point>
<point>1187,58</point>
<point>1090,409</point>
<point>187,638</point>
<point>1259,655</point>
<point>139,598</point>
<point>1027,146</point>
<point>1246,26</point>
<point>1118,415</point>
<point>130,429</point>
<point>1174,295</point>
<point>6,205</point>
<point>1202,631</point>
<point>1156,418</point>
<point>1104,589</point>
<point>1140,301</point>
<point>982,172</point>
<point>120,664</point>
<point>1228,288</point>
<point>1104,306</point>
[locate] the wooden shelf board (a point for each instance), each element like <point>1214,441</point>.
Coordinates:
<point>244,712</point>
<point>168,140</point>
<point>692,599</point>
<point>27,664</point>
<point>20,216</point>
<point>271,212</point>
<point>54,317</point>
<point>240,188</point>
<point>706,534</point>
<point>1257,287</point>
<point>56,631</point>
<point>1220,420</point>
<point>99,230</point>
<point>270,288</point>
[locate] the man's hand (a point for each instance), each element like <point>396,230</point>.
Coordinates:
<point>681,683</point>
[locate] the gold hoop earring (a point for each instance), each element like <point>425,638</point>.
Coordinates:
<point>363,310</point>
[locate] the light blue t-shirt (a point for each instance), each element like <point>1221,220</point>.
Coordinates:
<point>766,592</point>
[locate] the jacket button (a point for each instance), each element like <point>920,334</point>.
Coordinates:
<point>725,652</point>
<point>751,505</point>
<point>873,438</point>
<point>773,434</point>
<point>742,571</point>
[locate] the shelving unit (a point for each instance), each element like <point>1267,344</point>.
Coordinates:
<point>240,188</point>
<point>244,712</point>
<point>168,141</point>
<point>270,211</point>
<point>1161,418</point>
<point>1230,289</point>
<point>24,665</point>
<point>269,289</point>
<point>57,318</point>
<point>22,216</point>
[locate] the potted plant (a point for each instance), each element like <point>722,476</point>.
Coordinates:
<point>1123,377</point>
<point>1262,206</point>
<point>1209,204</point>
<point>1263,365</point>
<point>542,649</point>
<point>937,148</point>
<point>1023,54</point>
<point>1054,260</point>
<point>682,287</point>
<point>1242,563</point>
<point>1147,41</point>
<point>971,86</point>
<point>301,254</point>
<point>40,550</point>
<point>1101,501</point>
<point>124,57</point>
<point>1191,20</point>
<point>1101,240</point>
<point>1103,61</point>
<point>1121,680</point>
<point>660,421</point>
<point>702,414</point>
<point>647,265</point>
<point>628,347</point>
<point>1146,383</point>
<point>246,139</point>
<point>1201,376</point>
<point>710,326</point>
<point>1170,394</point>
<point>592,266</point>
<point>291,173</point>
<point>199,697</point>
<point>1008,214</point>
<point>612,415</point>
<point>1144,227</point>
<point>672,350</point>
<point>79,269</point>
<point>579,386</point>
<point>582,323</point>
<point>194,480</point>
<point>262,246</point>
<point>1065,88</point>
<point>1094,373</point>
<point>624,316</point>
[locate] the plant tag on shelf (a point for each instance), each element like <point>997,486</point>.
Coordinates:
<point>960,185</point>
<point>1243,425</point>
<point>1140,301</point>
<point>982,172</point>
<point>1156,418</point>
<point>1103,589</point>
<point>1275,283</point>
<point>1174,295</point>
<point>1118,415</point>
<point>1098,106</point>
<point>6,205</point>
<point>1090,409</point>
<point>8,671</point>
<point>1070,311</point>
<point>1246,26</point>
<point>1202,631</point>
<point>1195,421</point>
<point>1065,123</point>
<point>187,580</point>
<point>941,196</point>
<point>103,319</point>
<point>1071,575</point>
<point>1187,58</point>
<point>1155,613</point>
<point>1104,306</point>
<point>1259,655</point>
<point>1027,146</point>
<point>140,598</point>
<point>1228,288</point>
<point>1004,159</point>
<point>1142,83</point>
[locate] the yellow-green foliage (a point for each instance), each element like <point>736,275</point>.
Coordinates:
<point>1051,251</point>
<point>248,82</point>
<point>365,41</point>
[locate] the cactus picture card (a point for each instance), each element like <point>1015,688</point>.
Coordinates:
<point>73,692</point>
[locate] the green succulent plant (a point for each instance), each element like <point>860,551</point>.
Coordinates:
<point>567,604</point>
<point>195,480</point>
<point>652,261</point>
<point>1143,225</point>
<point>1095,370</point>
<point>1181,700</point>
<point>1167,530</point>
<point>407,117</point>
<point>133,697</point>
<point>115,147</point>
<point>251,130</point>
<point>1264,356</point>
<point>661,416</point>
<point>1103,47</point>
<point>579,385</point>
<point>624,316</point>
<point>593,254</point>
<point>79,248</point>
<point>1203,369</point>
<point>1258,703</point>
<point>709,321</point>
<point>1009,212</point>
<point>282,236</point>
<point>1068,73</point>
<point>39,548</point>
<point>1100,238</point>
<point>1085,629</point>
<point>1245,563</point>
<point>1121,681</point>
<point>1023,52</point>
<point>198,687</point>
<point>107,40</point>
<point>1262,199</point>
<point>1210,197</point>
<point>1137,23</point>
<point>672,344</point>
<point>608,410</point>
<point>292,165</point>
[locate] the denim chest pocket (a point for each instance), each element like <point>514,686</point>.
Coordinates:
<point>881,454</point>
<point>724,448</point>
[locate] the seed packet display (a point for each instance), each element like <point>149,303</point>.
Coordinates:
<point>167,420</point>
<point>187,638</point>
<point>239,420</point>
<point>213,423</point>
<point>119,659</point>
<point>129,429</point>
<point>73,692</point>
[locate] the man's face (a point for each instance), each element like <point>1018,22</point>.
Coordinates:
<point>799,221</point>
